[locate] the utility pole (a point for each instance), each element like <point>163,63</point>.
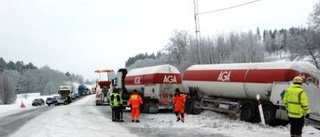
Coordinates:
<point>197,28</point>
<point>197,21</point>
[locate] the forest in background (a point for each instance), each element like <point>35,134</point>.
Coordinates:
<point>19,78</point>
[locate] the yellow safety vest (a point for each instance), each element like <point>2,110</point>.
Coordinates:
<point>296,101</point>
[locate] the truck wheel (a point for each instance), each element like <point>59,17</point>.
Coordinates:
<point>146,107</point>
<point>269,114</point>
<point>247,112</point>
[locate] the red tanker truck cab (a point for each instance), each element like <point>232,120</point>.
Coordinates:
<point>155,84</point>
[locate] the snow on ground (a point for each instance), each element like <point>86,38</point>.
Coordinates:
<point>219,124</point>
<point>26,100</point>
<point>82,119</point>
<point>78,119</point>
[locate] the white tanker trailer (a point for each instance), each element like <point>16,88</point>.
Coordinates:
<point>232,88</point>
<point>155,84</point>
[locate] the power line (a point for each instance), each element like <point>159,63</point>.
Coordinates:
<point>230,7</point>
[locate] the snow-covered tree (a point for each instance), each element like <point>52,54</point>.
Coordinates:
<point>177,45</point>
<point>314,18</point>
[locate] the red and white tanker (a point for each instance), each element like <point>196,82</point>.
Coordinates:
<point>234,87</point>
<point>155,84</point>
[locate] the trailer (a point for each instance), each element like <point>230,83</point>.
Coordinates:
<point>232,88</point>
<point>156,85</point>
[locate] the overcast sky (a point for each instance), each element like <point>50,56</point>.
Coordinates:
<point>80,36</point>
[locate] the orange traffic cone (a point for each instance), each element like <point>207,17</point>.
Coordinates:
<point>22,105</point>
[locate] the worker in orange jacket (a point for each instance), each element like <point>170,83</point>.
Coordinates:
<point>135,101</point>
<point>178,101</point>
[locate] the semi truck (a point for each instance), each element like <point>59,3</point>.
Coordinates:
<point>65,92</point>
<point>155,84</point>
<point>103,85</point>
<point>233,88</point>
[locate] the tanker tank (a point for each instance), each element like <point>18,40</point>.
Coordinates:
<point>245,80</point>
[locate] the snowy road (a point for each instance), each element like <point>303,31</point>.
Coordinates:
<point>11,123</point>
<point>84,119</point>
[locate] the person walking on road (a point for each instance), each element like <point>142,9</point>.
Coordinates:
<point>116,105</point>
<point>178,102</point>
<point>135,101</point>
<point>296,102</point>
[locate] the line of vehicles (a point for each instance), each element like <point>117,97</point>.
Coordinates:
<point>66,94</point>
<point>226,88</point>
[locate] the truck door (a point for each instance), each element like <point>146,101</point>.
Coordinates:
<point>277,93</point>
<point>313,93</point>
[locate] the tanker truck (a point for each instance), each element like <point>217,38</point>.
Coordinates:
<point>155,84</point>
<point>233,88</point>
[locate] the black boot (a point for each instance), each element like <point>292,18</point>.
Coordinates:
<point>137,121</point>
<point>178,119</point>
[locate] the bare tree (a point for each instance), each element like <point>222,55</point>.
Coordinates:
<point>314,18</point>
<point>177,45</point>
<point>304,45</point>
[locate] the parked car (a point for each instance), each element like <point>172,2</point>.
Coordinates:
<point>51,101</point>
<point>38,102</point>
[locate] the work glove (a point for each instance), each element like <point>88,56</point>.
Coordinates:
<point>307,115</point>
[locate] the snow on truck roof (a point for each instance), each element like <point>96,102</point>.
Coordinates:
<point>166,69</point>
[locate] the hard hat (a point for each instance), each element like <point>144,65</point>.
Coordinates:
<point>297,79</point>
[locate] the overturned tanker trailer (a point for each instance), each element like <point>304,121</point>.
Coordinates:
<point>232,88</point>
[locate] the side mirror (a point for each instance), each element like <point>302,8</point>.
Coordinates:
<point>114,82</point>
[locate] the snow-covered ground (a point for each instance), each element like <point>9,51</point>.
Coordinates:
<point>83,119</point>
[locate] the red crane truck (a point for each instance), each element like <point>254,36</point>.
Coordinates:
<point>103,86</point>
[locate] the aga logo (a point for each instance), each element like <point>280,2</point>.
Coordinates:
<point>224,76</point>
<point>137,80</point>
<point>170,79</point>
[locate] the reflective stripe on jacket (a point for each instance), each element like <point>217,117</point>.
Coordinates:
<point>115,99</point>
<point>296,101</point>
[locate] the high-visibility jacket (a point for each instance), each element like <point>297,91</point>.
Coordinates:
<point>296,101</point>
<point>178,102</point>
<point>116,99</point>
<point>135,100</point>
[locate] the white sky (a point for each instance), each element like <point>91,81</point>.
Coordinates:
<point>81,36</point>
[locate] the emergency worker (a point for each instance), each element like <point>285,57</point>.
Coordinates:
<point>116,105</point>
<point>296,102</point>
<point>178,102</point>
<point>112,92</point>
<point>135,101</point>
